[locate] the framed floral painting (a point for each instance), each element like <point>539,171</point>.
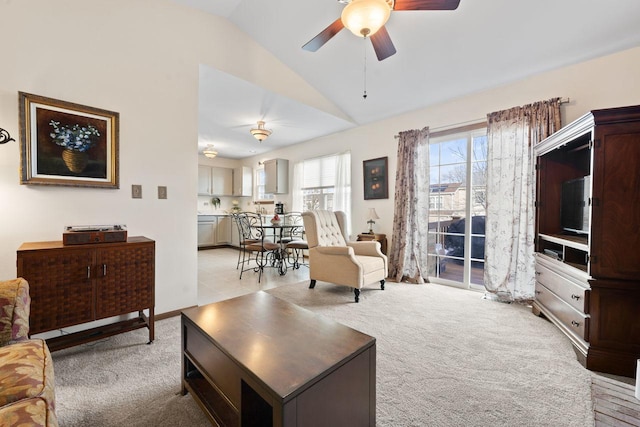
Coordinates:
<point>62,143</point>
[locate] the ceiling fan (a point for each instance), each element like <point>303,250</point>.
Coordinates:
<point>366,18</point>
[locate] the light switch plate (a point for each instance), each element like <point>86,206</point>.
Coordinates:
<point>136,191</point>
<point>162,192</point>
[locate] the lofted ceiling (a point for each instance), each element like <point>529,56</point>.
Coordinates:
<point>441,55</point>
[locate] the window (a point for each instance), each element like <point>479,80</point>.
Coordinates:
<point>260,186</point>
<point>323,183</point>
<point>318,180</point>
<point>318,184</point>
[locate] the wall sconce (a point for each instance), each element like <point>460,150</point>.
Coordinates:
<point>372,216</point>
<point>5,137</point>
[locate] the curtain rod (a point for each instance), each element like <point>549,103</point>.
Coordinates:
<point>475,121</point>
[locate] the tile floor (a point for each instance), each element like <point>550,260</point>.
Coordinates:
<point>218,278</point>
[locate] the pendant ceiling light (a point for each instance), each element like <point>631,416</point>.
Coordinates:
<point>260,133</point>
<point>365,17</point>
<point>210,152</point>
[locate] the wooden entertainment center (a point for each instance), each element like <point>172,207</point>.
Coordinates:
<point>588,268</point>
<point>75,284</point>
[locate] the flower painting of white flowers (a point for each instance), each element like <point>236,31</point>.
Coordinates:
<point>63,143</point>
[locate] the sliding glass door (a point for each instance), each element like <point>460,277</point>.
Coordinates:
<point>457,208</point>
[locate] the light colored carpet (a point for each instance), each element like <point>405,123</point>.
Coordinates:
<point>445,357</point>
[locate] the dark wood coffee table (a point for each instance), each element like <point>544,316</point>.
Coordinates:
<point>257,360</point>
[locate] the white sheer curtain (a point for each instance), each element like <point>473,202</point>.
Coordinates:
<point>342,191</point>
<point>297,203</point>
<point>509,269</point>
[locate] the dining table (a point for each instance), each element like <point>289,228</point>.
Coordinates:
<point>277,257</point>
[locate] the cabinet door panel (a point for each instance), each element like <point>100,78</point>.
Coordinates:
<point>223,232</point>
<point>615,307</point>
<point>206,233</point>
<point>204,180</point>
<point>126,280</point>
<point>221,181</point>
<point>616,210</point>
<point>60,287</point>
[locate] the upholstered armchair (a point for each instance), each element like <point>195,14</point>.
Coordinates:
<point>333,259</point>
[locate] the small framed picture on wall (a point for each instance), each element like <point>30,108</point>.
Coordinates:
<point>375,178</point>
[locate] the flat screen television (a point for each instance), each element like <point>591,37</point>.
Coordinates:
<point>574,211</point>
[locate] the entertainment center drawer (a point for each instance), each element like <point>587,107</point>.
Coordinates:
<point>574,321</point>
<point>569,291</point>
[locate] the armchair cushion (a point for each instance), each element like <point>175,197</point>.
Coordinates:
<point>14,310</point>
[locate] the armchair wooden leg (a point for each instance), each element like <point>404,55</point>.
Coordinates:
<point>357,292</point>
<point>312,284</point>
<point>382,284</point>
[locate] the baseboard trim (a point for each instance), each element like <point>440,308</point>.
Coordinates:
<point>173,313</point>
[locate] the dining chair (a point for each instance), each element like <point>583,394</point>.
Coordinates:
<point>253,244</point>
<point>243,235</point>
<point>294,242</point>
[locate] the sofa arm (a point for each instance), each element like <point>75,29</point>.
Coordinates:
<point>14,310</point>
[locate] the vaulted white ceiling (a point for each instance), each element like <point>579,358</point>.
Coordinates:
<point>440,55</point>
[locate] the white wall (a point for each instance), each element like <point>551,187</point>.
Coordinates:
<point>610,81</point>
<point>139,58</point>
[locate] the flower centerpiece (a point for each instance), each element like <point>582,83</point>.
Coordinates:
<point>275,220</point>
<point>76,140</point>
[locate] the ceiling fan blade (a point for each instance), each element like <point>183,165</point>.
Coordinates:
<point>324,36</point>
<point>382,44</point>
<point>426,4</point>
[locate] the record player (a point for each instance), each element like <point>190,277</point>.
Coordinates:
<point>85,234</point>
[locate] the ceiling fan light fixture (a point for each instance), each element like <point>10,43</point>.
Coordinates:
<point>210,152</point>
<point>260,133</point>
<point>365,17</point>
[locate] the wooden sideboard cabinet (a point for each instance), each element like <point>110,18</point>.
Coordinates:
<point>587,217</point>
<point>75,284</point>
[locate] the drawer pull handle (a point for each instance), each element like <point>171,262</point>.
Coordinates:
<point>88,272</point>
<point>104,270</point>
<point>574,323</point>
<point>575,297</point>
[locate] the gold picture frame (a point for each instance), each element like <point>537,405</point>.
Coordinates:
<point>62,143</point>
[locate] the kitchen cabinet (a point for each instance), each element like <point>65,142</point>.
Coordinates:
<point>223,230</point>
<point>276,172</point>
<point>215,181</point>
<point>204,180</point>
<point>221,181</point>
<point>243,181</point>
<point>214,230</point>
